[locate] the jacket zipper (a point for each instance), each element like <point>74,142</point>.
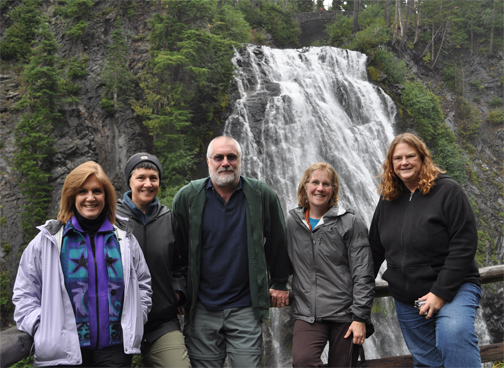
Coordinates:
<point>402,241</point>
<point>189,264</point>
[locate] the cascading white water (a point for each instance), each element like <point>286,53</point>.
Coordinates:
<point>299,107</point>
<point>320,108</point>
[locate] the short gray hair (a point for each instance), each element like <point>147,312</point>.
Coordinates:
<point>238,147</point>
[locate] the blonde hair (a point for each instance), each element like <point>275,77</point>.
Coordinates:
<point>74,182</point>
<point>302,196</point>
<point>391,185</point>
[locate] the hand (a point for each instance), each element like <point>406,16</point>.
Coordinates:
<point>433,304</point>
<point>279,298</point>
<point>358,330</point>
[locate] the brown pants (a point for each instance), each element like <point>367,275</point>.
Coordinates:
<point>310,339</point>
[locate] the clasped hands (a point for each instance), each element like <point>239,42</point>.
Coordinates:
<point>279,298</point>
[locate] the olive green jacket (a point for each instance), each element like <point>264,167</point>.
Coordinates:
<point>269,265</point>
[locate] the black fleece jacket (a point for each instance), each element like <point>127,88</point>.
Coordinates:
<point>159,239</point>
<point>429,241</point>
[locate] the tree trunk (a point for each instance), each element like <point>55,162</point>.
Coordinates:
<point>417,27</point>
<point>401,22</point>
<point>492,29</point>
<point>396,21</point>
<point>447,26</point>
<point>356,16</point>
<point>409,14</point>
<point>472,38</point>
<point>432,45</point>
<point>387,12</point>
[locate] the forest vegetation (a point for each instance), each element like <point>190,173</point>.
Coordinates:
<point>182,90</point>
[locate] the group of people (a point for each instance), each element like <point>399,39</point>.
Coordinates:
<point>108,278</point>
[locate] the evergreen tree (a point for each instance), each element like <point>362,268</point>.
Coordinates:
<point>18,37</point>
<point>119,81</point>
<point>33,133</point>
<point>186,80</point>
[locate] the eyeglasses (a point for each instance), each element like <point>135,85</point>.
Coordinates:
<point>219,158</point>
<point>316,183</point>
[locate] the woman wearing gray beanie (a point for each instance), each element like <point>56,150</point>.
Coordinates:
<point>157,231</point>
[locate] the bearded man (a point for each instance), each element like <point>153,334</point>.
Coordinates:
<point>238,261</point>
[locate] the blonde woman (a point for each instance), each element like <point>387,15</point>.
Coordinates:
<point>332,273</point>
<point>83,288</point>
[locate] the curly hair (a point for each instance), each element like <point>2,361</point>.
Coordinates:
<point>74,182</point>
<point>302,196</point>
<point>391,185</point>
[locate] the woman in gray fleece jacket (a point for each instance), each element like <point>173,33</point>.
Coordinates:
<point>333,277</point>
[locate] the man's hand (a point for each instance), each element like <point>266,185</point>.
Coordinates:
<point>433,304</point>
<point>358,330</point>
<point>279,298</point>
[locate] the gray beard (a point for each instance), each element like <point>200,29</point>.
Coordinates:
<point>226,180</point>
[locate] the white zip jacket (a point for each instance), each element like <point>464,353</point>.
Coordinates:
<point>43,307</point>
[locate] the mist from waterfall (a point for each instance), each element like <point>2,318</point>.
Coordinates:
<point>298,107</point>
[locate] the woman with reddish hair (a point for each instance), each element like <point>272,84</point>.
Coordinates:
<point>425,229</point>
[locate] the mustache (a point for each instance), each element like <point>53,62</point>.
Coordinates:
<point>226,169</point>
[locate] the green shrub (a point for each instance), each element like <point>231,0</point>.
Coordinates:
<point>394,68</point>
<point>276,21</point>
<point>230,23</point>
<point>374,73</point>
<point>478,85</point>
<point>77,68</point>
<point>26,18</point>
<point>495,117</point>
<point>107,105</point>
<point>340,31</point>
<point>74,9</point>
<point>5,293</point>
<point>427,58</point>
<point>428,120</point>
<point>377,33</point>
<point>369,16</point>
<point>449,74</point>
<point>495,102</point>
<point>468,119</point>
<point>78,30</point>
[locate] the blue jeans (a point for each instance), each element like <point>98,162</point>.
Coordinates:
<point>447,339</point>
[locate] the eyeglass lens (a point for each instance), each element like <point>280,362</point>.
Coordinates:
<point>219,158</point>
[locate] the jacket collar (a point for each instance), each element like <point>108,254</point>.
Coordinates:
<point>333,213</point>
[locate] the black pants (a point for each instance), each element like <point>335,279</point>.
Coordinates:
<point>112,356</point>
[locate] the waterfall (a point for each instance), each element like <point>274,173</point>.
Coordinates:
<point>294,108</point>
<point>297,108</point>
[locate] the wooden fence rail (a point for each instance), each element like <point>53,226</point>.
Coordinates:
<point>16,345</point>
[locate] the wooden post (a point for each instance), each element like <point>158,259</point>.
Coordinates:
<point>15,345</point>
